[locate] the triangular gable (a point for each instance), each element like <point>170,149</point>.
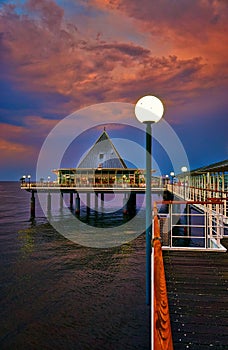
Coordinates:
<point>102,154</point>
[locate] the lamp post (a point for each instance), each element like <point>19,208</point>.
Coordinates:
<point>148,110</point>
<point>23,180</point>
<point>29,179</point>
<point>184,170</point>
<point>48,178</point>
<point>172,176</point>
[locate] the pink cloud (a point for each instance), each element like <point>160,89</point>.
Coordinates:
<point>51,54</point>
<point>21,144</point>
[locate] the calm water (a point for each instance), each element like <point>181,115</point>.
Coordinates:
<point>56,294</point>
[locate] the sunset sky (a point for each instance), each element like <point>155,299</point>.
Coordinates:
<point>59,56</point>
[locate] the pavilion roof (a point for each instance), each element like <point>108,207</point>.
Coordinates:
<point>212,168</point>
<point>102,154</point>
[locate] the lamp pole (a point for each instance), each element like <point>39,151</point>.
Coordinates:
<point>149,110</point>
<point>148,212</point>
<point>29,179</point>
<point>172,176</point>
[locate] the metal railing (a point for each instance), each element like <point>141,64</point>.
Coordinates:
<point>200,194</point>
<point>43,185</point>
<point>191,224</point>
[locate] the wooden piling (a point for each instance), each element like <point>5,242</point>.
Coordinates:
<point>49,203</point>
<point>77,204</point>
<point>61,201</point>
<point>96,201</point>
<point>125,200</point>
<point>71,200</point>
<point>88,203</point>
<point>102,201</point>
<point>32,207</point>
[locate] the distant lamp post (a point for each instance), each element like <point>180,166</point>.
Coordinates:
<point>23,179</point>
<point>29,180</point>
<point>167,179</point>
<point>148,110</point>
<point>48,178</point>
<point>184,170</point>
<point>172,174</point>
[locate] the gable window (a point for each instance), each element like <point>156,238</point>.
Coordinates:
<point>101,156</point>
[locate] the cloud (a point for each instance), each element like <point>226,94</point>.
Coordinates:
<point>16,155</point>
<point>79,57</point>
<point>21,142</point>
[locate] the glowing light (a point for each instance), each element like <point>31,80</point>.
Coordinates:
<point>149,109</point>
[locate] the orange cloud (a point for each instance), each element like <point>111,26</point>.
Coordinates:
<point>21,143</point>
<point>175,57</point>
<point>16,154</point>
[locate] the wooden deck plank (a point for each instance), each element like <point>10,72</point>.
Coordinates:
<point>197,284</point>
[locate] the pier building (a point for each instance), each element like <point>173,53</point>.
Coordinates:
<point>102,166</point>
<point>102,170</point>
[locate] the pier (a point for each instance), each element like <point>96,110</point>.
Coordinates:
<point>189,277</point>
<point>100,172</point>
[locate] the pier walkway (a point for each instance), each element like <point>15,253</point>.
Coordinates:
<point>197,285</point>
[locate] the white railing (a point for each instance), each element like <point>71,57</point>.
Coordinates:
<point>184,227</point>
<point>191,193</point>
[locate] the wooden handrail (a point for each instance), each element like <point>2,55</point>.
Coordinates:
<point>162,326</point>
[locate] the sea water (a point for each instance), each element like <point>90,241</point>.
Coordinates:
<point>58,294</point>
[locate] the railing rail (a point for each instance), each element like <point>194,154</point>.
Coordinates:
<point>162,334</point>
<point>192,193</point>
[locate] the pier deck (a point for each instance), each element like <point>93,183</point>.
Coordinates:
<point>86,189</point>
<point>197,285</point>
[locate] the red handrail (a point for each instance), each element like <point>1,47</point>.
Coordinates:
<point>162,326</point>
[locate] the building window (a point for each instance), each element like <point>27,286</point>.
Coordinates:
<point>101,156</point>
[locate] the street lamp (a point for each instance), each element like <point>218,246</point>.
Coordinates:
<point>184,170</point>
<point>148,110</point>
<point>48,180</point>
<point>29,179</point>
<point>172,174</point>
<point>23,180</point>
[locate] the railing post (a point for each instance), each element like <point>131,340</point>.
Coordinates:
<point>170,225</point>
<point>206,218</point>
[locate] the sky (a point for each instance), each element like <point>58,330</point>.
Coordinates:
<point>58,57</point>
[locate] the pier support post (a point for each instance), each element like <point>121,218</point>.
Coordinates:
<point>61,201</point>
<point>131,204</point>
<point>32,207</point>
<point>49,203</point>
<point>96,201</point>
<point>125,204</point>
<point>77,204</point>
<point>71,200</point>
<point>88,203</point>
<point>102,201</point>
